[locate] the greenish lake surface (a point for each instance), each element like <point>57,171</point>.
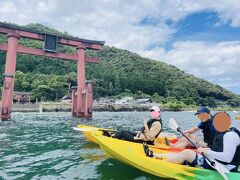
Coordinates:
<point>44,145</point>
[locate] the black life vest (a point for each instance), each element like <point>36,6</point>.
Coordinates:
<point>149,124</point>
<point>218,146</point>
<point>208,136</point>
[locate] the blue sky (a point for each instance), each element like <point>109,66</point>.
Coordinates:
<point>205,26</point>
<point>199,37</point>
<point>200,26</point>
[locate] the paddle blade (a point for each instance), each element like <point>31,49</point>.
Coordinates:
<point>222,170</point>
<point>221,167</point>
<point>84,129</point>
<point>235,112</point>
<point>173,124</point>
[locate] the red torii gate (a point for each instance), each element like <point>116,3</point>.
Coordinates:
<point>82,100</point>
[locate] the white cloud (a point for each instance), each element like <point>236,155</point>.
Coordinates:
<point>216,62</point>
<point>46,6</point>
<point>7,7</point>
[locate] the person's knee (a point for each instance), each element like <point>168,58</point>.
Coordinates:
<point>127,136</point>
<point>124,133</point>
<point>189,155</point>
<point>118,135</point>
<point>192,136</point>
<point>186,141</point>
<point>187,151</point>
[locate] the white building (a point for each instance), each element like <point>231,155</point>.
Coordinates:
<point>125,100</point>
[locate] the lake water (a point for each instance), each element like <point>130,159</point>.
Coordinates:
<point>44,145</point>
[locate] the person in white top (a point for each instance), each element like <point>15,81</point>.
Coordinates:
<point>226,153</point>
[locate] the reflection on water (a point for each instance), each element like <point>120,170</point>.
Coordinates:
<point>111,169</point>
<point>44,145</point>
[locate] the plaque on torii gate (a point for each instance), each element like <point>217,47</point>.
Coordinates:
<point>82,98</point>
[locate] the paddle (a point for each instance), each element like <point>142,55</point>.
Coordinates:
<point>235,112</point>
<point>214,164</point>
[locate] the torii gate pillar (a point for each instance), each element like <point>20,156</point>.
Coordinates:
<point>81,81</point>
<point>82,99</point>
<point>8,85</point>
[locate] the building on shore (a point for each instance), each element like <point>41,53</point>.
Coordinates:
<point>125,100</point>
<point>105,100</point>
<point>67,99</point>
<point>22,97</point>
<point>144,100</point>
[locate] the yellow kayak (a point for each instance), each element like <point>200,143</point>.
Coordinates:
<point>237,117</point>
<point>133,155</point>
<point>87,132</point>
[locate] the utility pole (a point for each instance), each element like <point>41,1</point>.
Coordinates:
<point>167,96</point>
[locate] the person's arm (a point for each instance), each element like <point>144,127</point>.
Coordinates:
<point>230,143</point>
<point>140,135</point>
<point>192,130</point>
<point>145,125</point>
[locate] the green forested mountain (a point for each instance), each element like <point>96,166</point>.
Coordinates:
<point>119,73</point>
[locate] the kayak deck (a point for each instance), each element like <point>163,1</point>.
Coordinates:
<point>159,142</point>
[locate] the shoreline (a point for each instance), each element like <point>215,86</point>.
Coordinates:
<point>66,107</point>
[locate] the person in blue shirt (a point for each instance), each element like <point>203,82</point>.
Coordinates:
<point>206,126</point>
